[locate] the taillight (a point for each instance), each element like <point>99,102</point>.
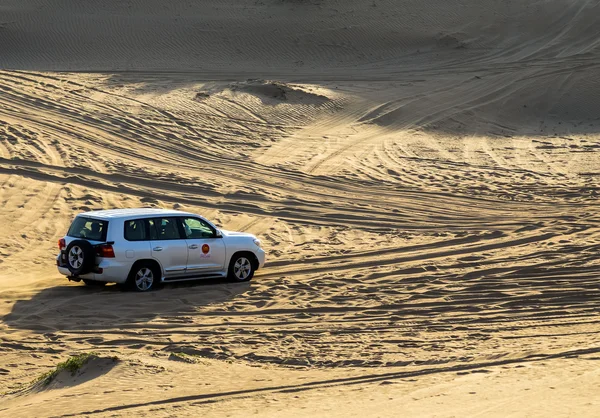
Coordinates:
<point>61,244</point>
<point>105,250</point>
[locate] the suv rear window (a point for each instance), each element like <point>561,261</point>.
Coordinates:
<point>88,228</point>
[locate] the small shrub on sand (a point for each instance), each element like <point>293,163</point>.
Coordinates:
<point>71,365</point>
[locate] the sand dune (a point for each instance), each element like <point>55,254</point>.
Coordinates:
<point>423,174</point>
<point>283,37</point>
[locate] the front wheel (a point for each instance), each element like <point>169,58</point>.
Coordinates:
<point>143,278</point>
<point>241,268</point>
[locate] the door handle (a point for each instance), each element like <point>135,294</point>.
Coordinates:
<point>193,247</point>
<point>157,249</point>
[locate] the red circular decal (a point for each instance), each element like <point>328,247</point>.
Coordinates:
<point>205,249</point>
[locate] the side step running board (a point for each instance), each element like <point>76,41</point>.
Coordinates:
<point>195,277</point>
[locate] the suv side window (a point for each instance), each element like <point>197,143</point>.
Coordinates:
<point>196,228</point>
<point>135,230</point>
<point>164,229</point>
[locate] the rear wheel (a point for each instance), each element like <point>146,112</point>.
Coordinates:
<point>241,268</point>
<point>144,277</point>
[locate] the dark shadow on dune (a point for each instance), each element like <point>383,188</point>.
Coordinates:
<point>519,101</point>
<point>298,36</point>
<point>83,308</point>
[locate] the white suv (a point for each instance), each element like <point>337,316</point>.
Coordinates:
<point>142,247</point>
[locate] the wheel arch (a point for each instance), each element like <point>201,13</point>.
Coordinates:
<point>251,256</point>
<point>150,261</point>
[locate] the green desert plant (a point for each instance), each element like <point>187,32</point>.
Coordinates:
<point>73,364</point>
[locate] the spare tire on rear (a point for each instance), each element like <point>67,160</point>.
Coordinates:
<point>81,257</point>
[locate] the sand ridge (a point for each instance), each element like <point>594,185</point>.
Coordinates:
<point>423,175</point>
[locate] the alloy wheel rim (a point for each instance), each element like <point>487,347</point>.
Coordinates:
<point>76,257</point>
<point>144,278</point>
<point>242,268</point>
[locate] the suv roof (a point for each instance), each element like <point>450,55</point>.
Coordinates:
<point>128,213</point>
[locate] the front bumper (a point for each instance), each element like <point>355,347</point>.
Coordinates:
<point>261,256</point>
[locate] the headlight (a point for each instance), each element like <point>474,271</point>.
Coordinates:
<point>257,242</point>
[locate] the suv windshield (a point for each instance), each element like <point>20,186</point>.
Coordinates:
<point>88,228</point>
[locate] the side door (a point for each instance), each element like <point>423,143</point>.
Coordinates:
<point>206,252</point>
<point>137,241</point>
<point>168,246</point>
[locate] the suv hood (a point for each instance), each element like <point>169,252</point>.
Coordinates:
<point>236,234</point>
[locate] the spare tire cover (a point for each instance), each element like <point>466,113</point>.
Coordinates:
<point>81,257</point>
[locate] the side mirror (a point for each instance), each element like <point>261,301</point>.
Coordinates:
<point>218,234</point>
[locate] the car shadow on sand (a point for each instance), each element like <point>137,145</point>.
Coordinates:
<point>89,308</point>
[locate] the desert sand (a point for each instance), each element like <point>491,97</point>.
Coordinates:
<point>424,176</point>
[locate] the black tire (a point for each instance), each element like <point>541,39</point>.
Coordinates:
<point>96,283</point>
<point>143,277</point>
<point>81,257</point>
<point>241,267</point>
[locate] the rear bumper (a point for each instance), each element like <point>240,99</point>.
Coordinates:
<point>65,272</point>
<point>112,271</point>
